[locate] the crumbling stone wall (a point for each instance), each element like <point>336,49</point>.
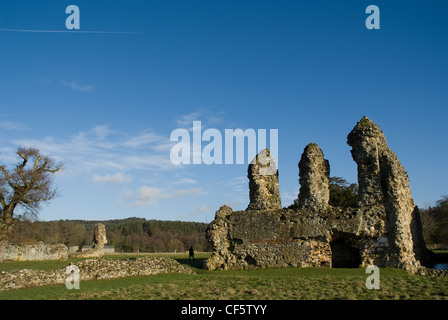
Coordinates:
<point>289,238</point>
<point>35,252</point>
<point>91,269</point>
<point>384,229</point>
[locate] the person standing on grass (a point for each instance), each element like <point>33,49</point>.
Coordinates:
<point>191,253</point>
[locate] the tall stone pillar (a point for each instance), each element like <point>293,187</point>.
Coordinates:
<point>99,241</point>
<point>99,237</point>
<point>368,146</point>
<point>264,191</point>
<point>383,183</point>
<point>314,178</point>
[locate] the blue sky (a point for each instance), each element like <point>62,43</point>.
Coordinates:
<point>106,103</point>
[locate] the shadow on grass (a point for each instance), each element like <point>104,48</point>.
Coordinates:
<point>197,263</point>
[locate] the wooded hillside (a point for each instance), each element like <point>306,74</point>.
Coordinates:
<point>127,235</point>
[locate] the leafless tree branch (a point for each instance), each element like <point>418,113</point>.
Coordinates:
<point>25,186</point>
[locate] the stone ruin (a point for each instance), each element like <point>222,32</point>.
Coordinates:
<point>35,252</point>
<point>92,269</point>
<point>89,269</point>
<point>42,251</point>
<point>99,241</point>
<point>384,229</point>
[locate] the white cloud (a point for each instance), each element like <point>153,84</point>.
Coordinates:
<point>186,120</point>
<point>12,125</point>
<point>144,139</point>
<point>149,196</point>
<point>185,181</point>
<point>149,162</point>
<point>181,193</point>
<point>103,149</point>
<point>8,155</point>
<point>206,117</point>
<point>163,145</point>
<point>118,177</point>
<point>74,85</point>
<point>126,196</point>
<point>236,184</point>
<point>204,209</point>
<point>101,131</point>
<point>288,198</point>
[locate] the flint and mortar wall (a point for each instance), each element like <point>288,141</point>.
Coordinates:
<point>91,269</point>
<point>38,251</point>
<point>273,239</point>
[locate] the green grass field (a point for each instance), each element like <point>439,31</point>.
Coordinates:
<point>260,284</point>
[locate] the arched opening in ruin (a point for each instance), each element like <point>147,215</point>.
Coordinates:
<point>344,253</point>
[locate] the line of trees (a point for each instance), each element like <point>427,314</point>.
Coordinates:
<point>126,235</point>
<point>342,193</point>
<point>435,222</point>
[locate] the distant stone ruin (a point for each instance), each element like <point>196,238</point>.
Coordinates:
<point>384,229</point>
<point>99,241</point>
<point>35,252</point>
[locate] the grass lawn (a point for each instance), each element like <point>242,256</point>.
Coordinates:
<point>260,284</point>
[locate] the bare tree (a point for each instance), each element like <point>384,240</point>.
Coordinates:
<point>24,187</point>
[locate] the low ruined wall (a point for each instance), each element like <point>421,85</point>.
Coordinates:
<point>435,246</point>
<point>35,252</point>
<point>283,238</point>
<point>91,269</point>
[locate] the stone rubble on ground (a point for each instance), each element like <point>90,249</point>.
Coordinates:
<point>92,269</point>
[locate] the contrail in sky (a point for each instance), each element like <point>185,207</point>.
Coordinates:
<point>68,31</point>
